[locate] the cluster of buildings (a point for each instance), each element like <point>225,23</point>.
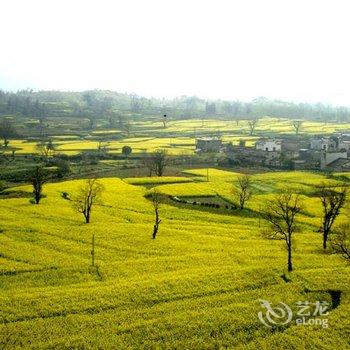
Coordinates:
<point>318,152</point>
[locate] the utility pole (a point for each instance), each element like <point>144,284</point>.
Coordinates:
<point>93,251</point>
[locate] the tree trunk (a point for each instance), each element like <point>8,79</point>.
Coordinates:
<point>290,266</point>
<point>242,204</point>
<point>155,230</point>
<point>325,236</point>
<point>156,225</point>
<point>37,197</point>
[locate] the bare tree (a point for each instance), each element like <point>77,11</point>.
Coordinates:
<point>280,213</point>
<point>127,127</point>
<point>46,148</point>
<point>38,178</point>
<point>102,147</point>
<point>160,159</point>
<point>42,125</point>
<point>89,195</point>
<point>155,198</point>
<point>91,119</point>
<point>341,241</point>
<point>297,124</point>
<point>148,163</point>
<point>155,162</point>
<point>120,120</point>
<point>252,125</point>
<point>7,131</point>
<point>243,191</point>
<point>332,201</point>
<point>112,117</point>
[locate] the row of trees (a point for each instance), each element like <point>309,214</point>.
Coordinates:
<point>97,103</point>
<point>253,123</point>
<point>281,212</point>
<point>87,196</point>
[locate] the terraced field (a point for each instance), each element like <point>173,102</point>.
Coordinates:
<point>179,136</point>
<point>265,125</point>
<point>197,286</point>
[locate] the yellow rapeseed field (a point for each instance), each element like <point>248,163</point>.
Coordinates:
<point>196,286</point>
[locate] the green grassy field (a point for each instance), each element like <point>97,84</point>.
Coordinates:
<point>197,286</point>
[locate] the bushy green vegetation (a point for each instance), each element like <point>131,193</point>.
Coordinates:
<point>197,286</point>
<point>92,104</point>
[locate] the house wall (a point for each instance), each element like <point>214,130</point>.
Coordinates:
<point>327,158</point>
<point>319,144</point>
<point>294,145</point>
<point>268,146</point>
<point>345,145</point>
<point>325,144</point>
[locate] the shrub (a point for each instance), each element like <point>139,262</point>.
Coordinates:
<point>16,175</point>
<point>65,195</point>
<point>126,151</point>
<point>63,167</point>
<point>2,186</point>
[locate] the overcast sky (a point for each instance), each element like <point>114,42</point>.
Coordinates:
<point>234,49</point>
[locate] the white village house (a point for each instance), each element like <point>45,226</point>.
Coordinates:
<point>323,144</point>
<point>269,145</point>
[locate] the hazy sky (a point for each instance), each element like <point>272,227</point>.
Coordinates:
<point>234,49</point>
